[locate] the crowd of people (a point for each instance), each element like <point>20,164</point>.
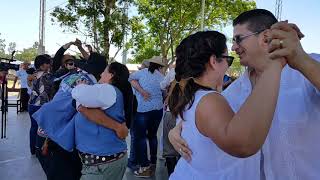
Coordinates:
<point>262,126</point>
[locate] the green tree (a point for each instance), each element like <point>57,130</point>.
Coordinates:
<point>2,47</point>
<point>103,20</point>
<point>149,50</point>
<point>236,68</point>
<point>28,54</point>
<point>143,44</point>
<point>12,47</point>
<point>168,22</point>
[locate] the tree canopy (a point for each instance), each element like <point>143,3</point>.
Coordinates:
<point>162,24</point>
<point>155,27</point>
<point>25,55</point>
<point>104,21</point>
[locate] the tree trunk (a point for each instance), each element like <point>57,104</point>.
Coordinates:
<point>95,35</point>
<point>163,47</point>
<point>109,4</point>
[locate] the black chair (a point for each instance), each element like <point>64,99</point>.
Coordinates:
<point>14,101</point>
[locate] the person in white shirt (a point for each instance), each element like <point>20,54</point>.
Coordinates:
<point>213,131</point>
<point>25,90</point>
<point>291,150</point>
<point>167,79</point>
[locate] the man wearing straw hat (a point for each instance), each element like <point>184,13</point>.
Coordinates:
<point>146,82</point>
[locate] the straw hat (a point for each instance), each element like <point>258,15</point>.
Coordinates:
<point>146,63</point>
<point>157,60</point>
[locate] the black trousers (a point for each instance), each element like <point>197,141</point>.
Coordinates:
<point>171,163</point>
<point>63,165</point>
<point>24,98</point>
<point>43,159</point>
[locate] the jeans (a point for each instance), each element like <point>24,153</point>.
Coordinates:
<point>113,170</point>
<point>145,126</point>
<point>34,128</point>
<point>132,161</point>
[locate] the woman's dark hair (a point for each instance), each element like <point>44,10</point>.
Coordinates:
<point>154,66</point>
<point>120,80</point>
<point>192,55</point>
<point>42,59</point>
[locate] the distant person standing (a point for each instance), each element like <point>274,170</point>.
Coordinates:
<point>42,92</point>
<point>146,83</point>
<point>25,90</point>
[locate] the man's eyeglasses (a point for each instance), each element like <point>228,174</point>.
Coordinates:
<point>70,64</point>
<point>228,58</point>
<point>238,39</point>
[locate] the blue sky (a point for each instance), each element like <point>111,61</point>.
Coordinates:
<point>20,23</point>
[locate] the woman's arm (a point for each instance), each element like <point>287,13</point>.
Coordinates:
<point>135,84</point>
<point>134,80</point>
<point>241,134</point>
<point>99,117</point>
<point>95,96</point>
<point>98,96</point>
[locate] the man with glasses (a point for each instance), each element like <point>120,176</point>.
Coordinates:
<point>69,63</point>
<point>291,150</point>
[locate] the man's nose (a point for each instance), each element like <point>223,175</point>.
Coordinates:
<point>235,46</point>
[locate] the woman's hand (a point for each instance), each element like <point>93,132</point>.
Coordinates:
<point>146,95</point>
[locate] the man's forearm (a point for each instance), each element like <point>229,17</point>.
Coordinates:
<point>58,57</point>
<point>311,70</point>
<point>83,52</point>
<point>99,117</point>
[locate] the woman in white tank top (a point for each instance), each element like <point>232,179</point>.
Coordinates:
<point>223,143</point>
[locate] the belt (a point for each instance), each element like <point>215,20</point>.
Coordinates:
<point>93,160</point>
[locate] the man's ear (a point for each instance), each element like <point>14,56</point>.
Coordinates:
<point>266,37</point>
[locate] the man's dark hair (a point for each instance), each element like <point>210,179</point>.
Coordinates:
<point>42,59</point>
<point>30,70</point>
<point>95,65</point>
<point>257,19</point>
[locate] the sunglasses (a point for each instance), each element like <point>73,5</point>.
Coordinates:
<point>228,58</point>
<point>238,38</point>
<point>70,64</point>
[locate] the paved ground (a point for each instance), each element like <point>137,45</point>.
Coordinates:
<point>16,163</point>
